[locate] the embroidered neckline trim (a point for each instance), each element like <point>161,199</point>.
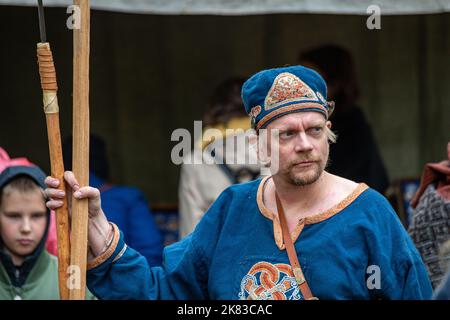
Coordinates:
<point>278,235</point>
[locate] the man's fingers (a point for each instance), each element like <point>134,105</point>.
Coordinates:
<point>71,180</point>
<point>87,192</point>
<point>51,182</point>
<point>54,204</point>
<point>93,195</point>
<point>54,193</point>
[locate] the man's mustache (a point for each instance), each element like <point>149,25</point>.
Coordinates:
<point>304,159</point>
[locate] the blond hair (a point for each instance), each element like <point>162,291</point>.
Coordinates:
<point>332,137</point>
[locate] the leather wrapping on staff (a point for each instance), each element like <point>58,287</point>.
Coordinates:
<point>46,67</point>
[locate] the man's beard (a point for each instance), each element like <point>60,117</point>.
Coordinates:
<point>305,178</point>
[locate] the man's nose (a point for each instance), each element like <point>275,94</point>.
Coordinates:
<point>302,143</point>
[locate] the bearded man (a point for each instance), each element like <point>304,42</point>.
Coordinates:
<point>300,233</point>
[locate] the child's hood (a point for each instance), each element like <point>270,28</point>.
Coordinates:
<point>33,172</point>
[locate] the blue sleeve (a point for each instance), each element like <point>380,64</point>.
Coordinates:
<point>126,275</point>
<point>121,279</point>
<point>183,274</point>
<point>403,273</point>
<point>144,236</point>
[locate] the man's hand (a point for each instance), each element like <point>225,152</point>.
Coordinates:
<point>55,195</point>
<point>99,229</point>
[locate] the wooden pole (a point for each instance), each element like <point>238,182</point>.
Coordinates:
<point>49,88</point>
<point>80,160</point>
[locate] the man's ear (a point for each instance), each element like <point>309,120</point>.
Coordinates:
<point>262,147</point>
<point>328,124</point>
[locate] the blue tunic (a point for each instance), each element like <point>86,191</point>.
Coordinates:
<point>356,250</point>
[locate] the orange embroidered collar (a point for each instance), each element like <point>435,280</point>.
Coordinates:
<point>308,220</point>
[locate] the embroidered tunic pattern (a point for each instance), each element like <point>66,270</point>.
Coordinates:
<point>266,281</point>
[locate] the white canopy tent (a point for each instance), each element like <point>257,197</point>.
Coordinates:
<point>252,7</point>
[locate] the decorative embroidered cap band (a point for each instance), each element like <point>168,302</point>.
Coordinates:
<point>272,93</point>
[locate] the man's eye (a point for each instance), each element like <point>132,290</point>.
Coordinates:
<point>316,130</point>
<point>286,134</point>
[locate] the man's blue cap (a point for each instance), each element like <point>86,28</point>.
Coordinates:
<point>273,93</point>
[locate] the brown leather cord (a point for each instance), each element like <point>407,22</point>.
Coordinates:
<point>46,67</point>
<point>292,254</point>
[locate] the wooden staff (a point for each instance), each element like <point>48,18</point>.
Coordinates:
<point>80,160</point>
<point>49,89</point>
